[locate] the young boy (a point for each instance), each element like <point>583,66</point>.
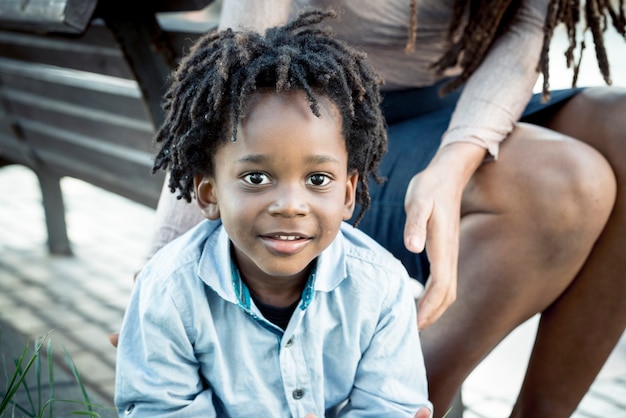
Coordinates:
<point>276,307</point>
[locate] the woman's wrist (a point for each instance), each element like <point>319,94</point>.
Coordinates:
<point>459,160</point>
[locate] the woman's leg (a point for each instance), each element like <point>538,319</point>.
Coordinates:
<point>580,329</point>
<point>528,223</point>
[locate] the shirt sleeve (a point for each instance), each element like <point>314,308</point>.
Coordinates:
<point>157,373</point>
<point>391,376</point>
<point>496,94</point>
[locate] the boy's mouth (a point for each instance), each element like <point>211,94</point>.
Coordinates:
<point>286,243</point>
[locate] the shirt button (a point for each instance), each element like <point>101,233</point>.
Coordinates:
<point>289,342</point>
<point>129,409</point>
<point>297,394</point>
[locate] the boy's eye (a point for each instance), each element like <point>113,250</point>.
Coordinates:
<point>256,178</point>
<point>318,180</point>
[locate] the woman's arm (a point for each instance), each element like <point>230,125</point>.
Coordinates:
<point>492,101</point>
<point>495,96</point>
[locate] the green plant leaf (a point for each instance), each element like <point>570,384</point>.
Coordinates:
<point>23,365</point>
<point>18,376</point>
<point>50,375</point>
<point>74,370</point>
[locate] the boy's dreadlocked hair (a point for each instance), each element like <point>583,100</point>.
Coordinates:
<point>212,85</point>
<point>488,18</point>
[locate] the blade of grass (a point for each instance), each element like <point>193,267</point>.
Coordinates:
<point>21,409</point>
<point>50,374</point>
<point>38,374</point>
<point>27,390</point>
<point>74,370</point>
<point>17,378</point>
<point>24,364</point>
<point>50,403</point>
<point>87,413</point>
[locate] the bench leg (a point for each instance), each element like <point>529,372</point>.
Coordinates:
<point>54,209</point>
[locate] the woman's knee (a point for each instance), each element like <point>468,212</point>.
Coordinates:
<point>559,191</point>
<point>596,116</point>
<point>585,187</point>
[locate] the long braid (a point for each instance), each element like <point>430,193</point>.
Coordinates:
<point>596,13</point>
<point>211,88</point>
<point>487,19</point>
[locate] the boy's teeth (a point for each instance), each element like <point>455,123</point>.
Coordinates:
<point>287,237</point>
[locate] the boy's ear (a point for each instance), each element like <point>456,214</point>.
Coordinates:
<point>205,196</point>
<point>350,201</point>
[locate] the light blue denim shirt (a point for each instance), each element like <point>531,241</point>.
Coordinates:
<point>193,344</point>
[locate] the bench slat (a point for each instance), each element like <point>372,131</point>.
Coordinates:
<point>71,16</point>
<point>95,52</point>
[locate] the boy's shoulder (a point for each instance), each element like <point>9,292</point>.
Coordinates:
<point>357,266</point>
<point>367,263</point>
<point>360,248</point>
<point>181,256</point>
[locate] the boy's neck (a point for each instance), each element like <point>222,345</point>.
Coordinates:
<point>278,296</point>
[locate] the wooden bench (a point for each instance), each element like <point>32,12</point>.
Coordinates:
<point>81,83</point>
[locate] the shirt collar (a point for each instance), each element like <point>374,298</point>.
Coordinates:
<point>216,270</point>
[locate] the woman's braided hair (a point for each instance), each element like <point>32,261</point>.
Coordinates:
<point>488,18</point>
<point>213,83</point>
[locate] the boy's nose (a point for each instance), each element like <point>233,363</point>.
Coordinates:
<point>289,201</point>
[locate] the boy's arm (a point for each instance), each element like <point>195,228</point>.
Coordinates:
<point>157,374</point>
<point>391,376</point>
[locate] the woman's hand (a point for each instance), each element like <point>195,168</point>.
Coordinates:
<point>433,208</point>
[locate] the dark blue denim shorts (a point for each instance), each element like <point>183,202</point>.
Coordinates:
<point>416,119</point>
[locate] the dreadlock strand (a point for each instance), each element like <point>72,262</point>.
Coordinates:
<point>282,70</point>
<point>310,94</point>
<point>571,16</point>
<point>619,22</point>
<point>594,22</point>
<point>552,17</point>
<point>471,40</point>
<point>412,29</point>
<point>475,45</point>
<point>472,37</point>
<point>577,66</point>
<point>223,65</point>
<point>347,90</point>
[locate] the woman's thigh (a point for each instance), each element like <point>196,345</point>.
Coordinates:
<point>535,166</point>
<point>550,194</point>
<point>529,222</point>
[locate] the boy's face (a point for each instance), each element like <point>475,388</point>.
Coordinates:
<point>283,187</point>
